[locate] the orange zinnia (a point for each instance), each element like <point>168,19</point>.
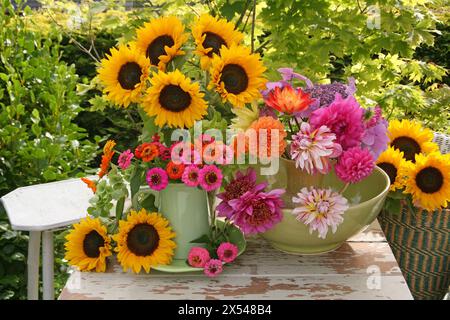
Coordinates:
<point>288,100</point>
<point>175,171</point>
<point>91,184</point>
<point>147,151</point>
<point>269,124</point>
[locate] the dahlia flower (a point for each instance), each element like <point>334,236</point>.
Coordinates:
<point>344,117</point>
<point>288,100</point>
<point>354,165</point>
<point>312,149</point>
<point>320,209</point>
<point>375,138</point>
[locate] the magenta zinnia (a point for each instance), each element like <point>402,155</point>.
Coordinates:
<point>157,179</point>
<point>198,257</point>
<point>190,176</point>
<point>312,149</point>
<point>354,165</point>
<point>344,117</point>
<point>210,178</point>
<point>256,212</point>
<point>227,252</point>
<point>320,209</point>
<point>125,159</point>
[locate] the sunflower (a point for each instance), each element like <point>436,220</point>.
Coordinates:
<point>160,40</point>
<point>174,100</point>
<point>393,163</point>
<point>88,245</point>
<point>144,240</point>
<point>429,180</point>
<point>237,75</point>
<point>210,34</point>
<point>411,138</point>
<point>124,73</point>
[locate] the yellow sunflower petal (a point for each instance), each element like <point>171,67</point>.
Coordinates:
<point>174,100</point>
<point>143,241</point>
<point>237,75</point>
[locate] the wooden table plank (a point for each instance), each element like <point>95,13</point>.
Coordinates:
<point>358,270</point>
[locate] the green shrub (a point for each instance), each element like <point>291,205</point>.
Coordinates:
<point>38,140</point>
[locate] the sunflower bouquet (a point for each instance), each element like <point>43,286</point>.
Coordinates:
<point>174,80</point>
<point>419,174</point>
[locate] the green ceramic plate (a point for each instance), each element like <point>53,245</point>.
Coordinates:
<point>236,237</point>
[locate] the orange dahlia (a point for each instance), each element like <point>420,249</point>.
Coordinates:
<point>263,128</point>
<point>288,100</point>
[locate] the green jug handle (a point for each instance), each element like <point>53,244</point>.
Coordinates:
<point>135,202</point>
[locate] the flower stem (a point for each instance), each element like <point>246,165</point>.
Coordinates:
<point>344,188</point>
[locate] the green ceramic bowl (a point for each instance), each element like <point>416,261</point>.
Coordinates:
<point>366,200</point>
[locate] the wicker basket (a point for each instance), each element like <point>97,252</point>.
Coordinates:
<point>421,245</point>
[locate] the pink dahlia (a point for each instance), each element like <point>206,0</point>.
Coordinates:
<point>227,252</point>
<point>375,137</point>
<point>344,117</point>
<point>320,209</point>
<point>354,165</point>
<point>157,179</point>
<point>210,177</point>
<point>190,176</point>
<point>312,149</point>
<point>125,159</point>
<point>241,183</point>
<point>213,268</point>
<point>198,257</point>
<point>256,212</point>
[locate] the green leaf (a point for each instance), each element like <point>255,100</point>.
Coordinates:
<point>119,208</point>
<point>203,239</point>
<point>135,181</point>
<point>148,203</point>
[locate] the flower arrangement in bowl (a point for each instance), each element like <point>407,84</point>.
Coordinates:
<point>327,144</point>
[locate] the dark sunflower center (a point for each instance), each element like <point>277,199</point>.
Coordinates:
<point>174,99</point>
<point>156,48</point>
<point>234,78</point>
<point>409,146</point>
<point>92,243</point>
<point>429,180</point>
<point>214,42</point>
<point>390,170</point>
<point>130,75</point>
<point>143,239</point>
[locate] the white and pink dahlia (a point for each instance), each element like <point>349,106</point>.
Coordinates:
<point>320,209</point>
<point>312,149</point>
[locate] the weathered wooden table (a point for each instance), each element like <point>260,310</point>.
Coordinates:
<point>363,268</point>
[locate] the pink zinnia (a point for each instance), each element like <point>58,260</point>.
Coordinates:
<point>190,176</point>
<point>242,183</point>
<point>320,209</point>
<point>312,149</point>
<point>125,159</point>
<point>213,268</point>
<point>256,212</point>
<point>210,178</point>
<point>198,257</point>
<point>354,165</point>
<point>344,117</point>
<point>227,252</point>
<point>157,179</point>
